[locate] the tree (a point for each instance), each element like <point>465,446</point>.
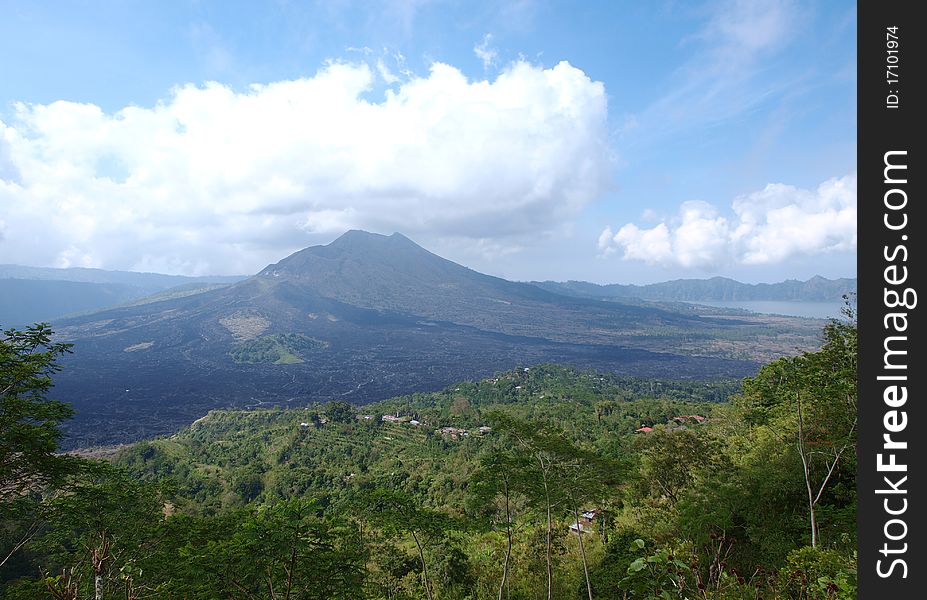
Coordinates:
<point>828,379</point>
<point>535,444</point>
<point>29,431</point>
<point>586,477</point>
<point>100,523</point>
<point>459,406</point>
<point>398,513</point>
<point>285,551</point>
<point>554,473</point>
<point>281,551</point>
<point>495,481</point>
<point>340,412</point>
<point>29,420</point>
<point>603,408</point>
<point>812,398</point>
<point>671,461</point>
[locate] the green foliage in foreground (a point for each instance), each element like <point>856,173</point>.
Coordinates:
<point>471,492</point>
<point>277,349</point>
<point>29,421</point>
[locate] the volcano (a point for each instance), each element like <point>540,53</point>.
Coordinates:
<point>361,319</point>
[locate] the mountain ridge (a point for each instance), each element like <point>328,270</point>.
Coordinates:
<point>32,294</point>
<point>715,289</point>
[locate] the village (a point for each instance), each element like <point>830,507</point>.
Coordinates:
<point>447,432</point>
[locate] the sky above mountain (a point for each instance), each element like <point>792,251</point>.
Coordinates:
<point>627,142</point>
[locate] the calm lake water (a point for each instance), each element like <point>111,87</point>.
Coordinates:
<point>816,310</point>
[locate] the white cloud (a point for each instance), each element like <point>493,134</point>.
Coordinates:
<point>605,241</point>
<point>385,72</point>
<point>751,26</point>
<point>214,179</point>
<point>768,227</point>
<point>485,52</point>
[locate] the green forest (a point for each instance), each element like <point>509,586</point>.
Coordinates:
<point>280,349</point>
<point>541,482</point>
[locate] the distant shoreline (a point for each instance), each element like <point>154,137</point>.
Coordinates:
<point>791,308</point>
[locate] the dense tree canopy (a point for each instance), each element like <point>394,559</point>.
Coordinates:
<point>540,482</point>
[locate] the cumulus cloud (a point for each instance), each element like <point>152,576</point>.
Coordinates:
<point>211,177</point>
<point>767,227</point>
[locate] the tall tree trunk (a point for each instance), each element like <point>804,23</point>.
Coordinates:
<point>98,558</point>
<point>421,556</point>
<point>289,574</point>
<point>807,472</point>
<point>291,571</point>
<point>550,529</point>
<point>582,548</point>
<point>508,534</point>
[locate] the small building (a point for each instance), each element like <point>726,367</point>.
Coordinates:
<point>643,430</point>
<point>484,430</point>
<point>586,521</point>
<point>577,527</point>
<point>396,419</point>
<point>414,422</point>
<point>455,433</point>
<point>588,516</point>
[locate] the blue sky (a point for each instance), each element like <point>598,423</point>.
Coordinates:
<point>604,141</point>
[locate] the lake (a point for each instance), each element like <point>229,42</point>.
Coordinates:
<point>815,310</point>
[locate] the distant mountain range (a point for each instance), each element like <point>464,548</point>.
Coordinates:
<point>32,294</point>
<point>365,318</point>
<point>716,289</point>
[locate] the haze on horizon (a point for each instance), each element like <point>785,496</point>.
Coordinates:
<point>527,140</point>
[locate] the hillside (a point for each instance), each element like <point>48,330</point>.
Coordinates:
<point>147,283</point>
<point>545,481</point>
<point>25,301</point>
<point>369,317</point>
<point>33,294</point>
<point>223,448</point>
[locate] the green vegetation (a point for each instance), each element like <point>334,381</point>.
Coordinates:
<point>277,349</point>
<point>29,421</point>
<point>29,435</point>
<point>541,482</point>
